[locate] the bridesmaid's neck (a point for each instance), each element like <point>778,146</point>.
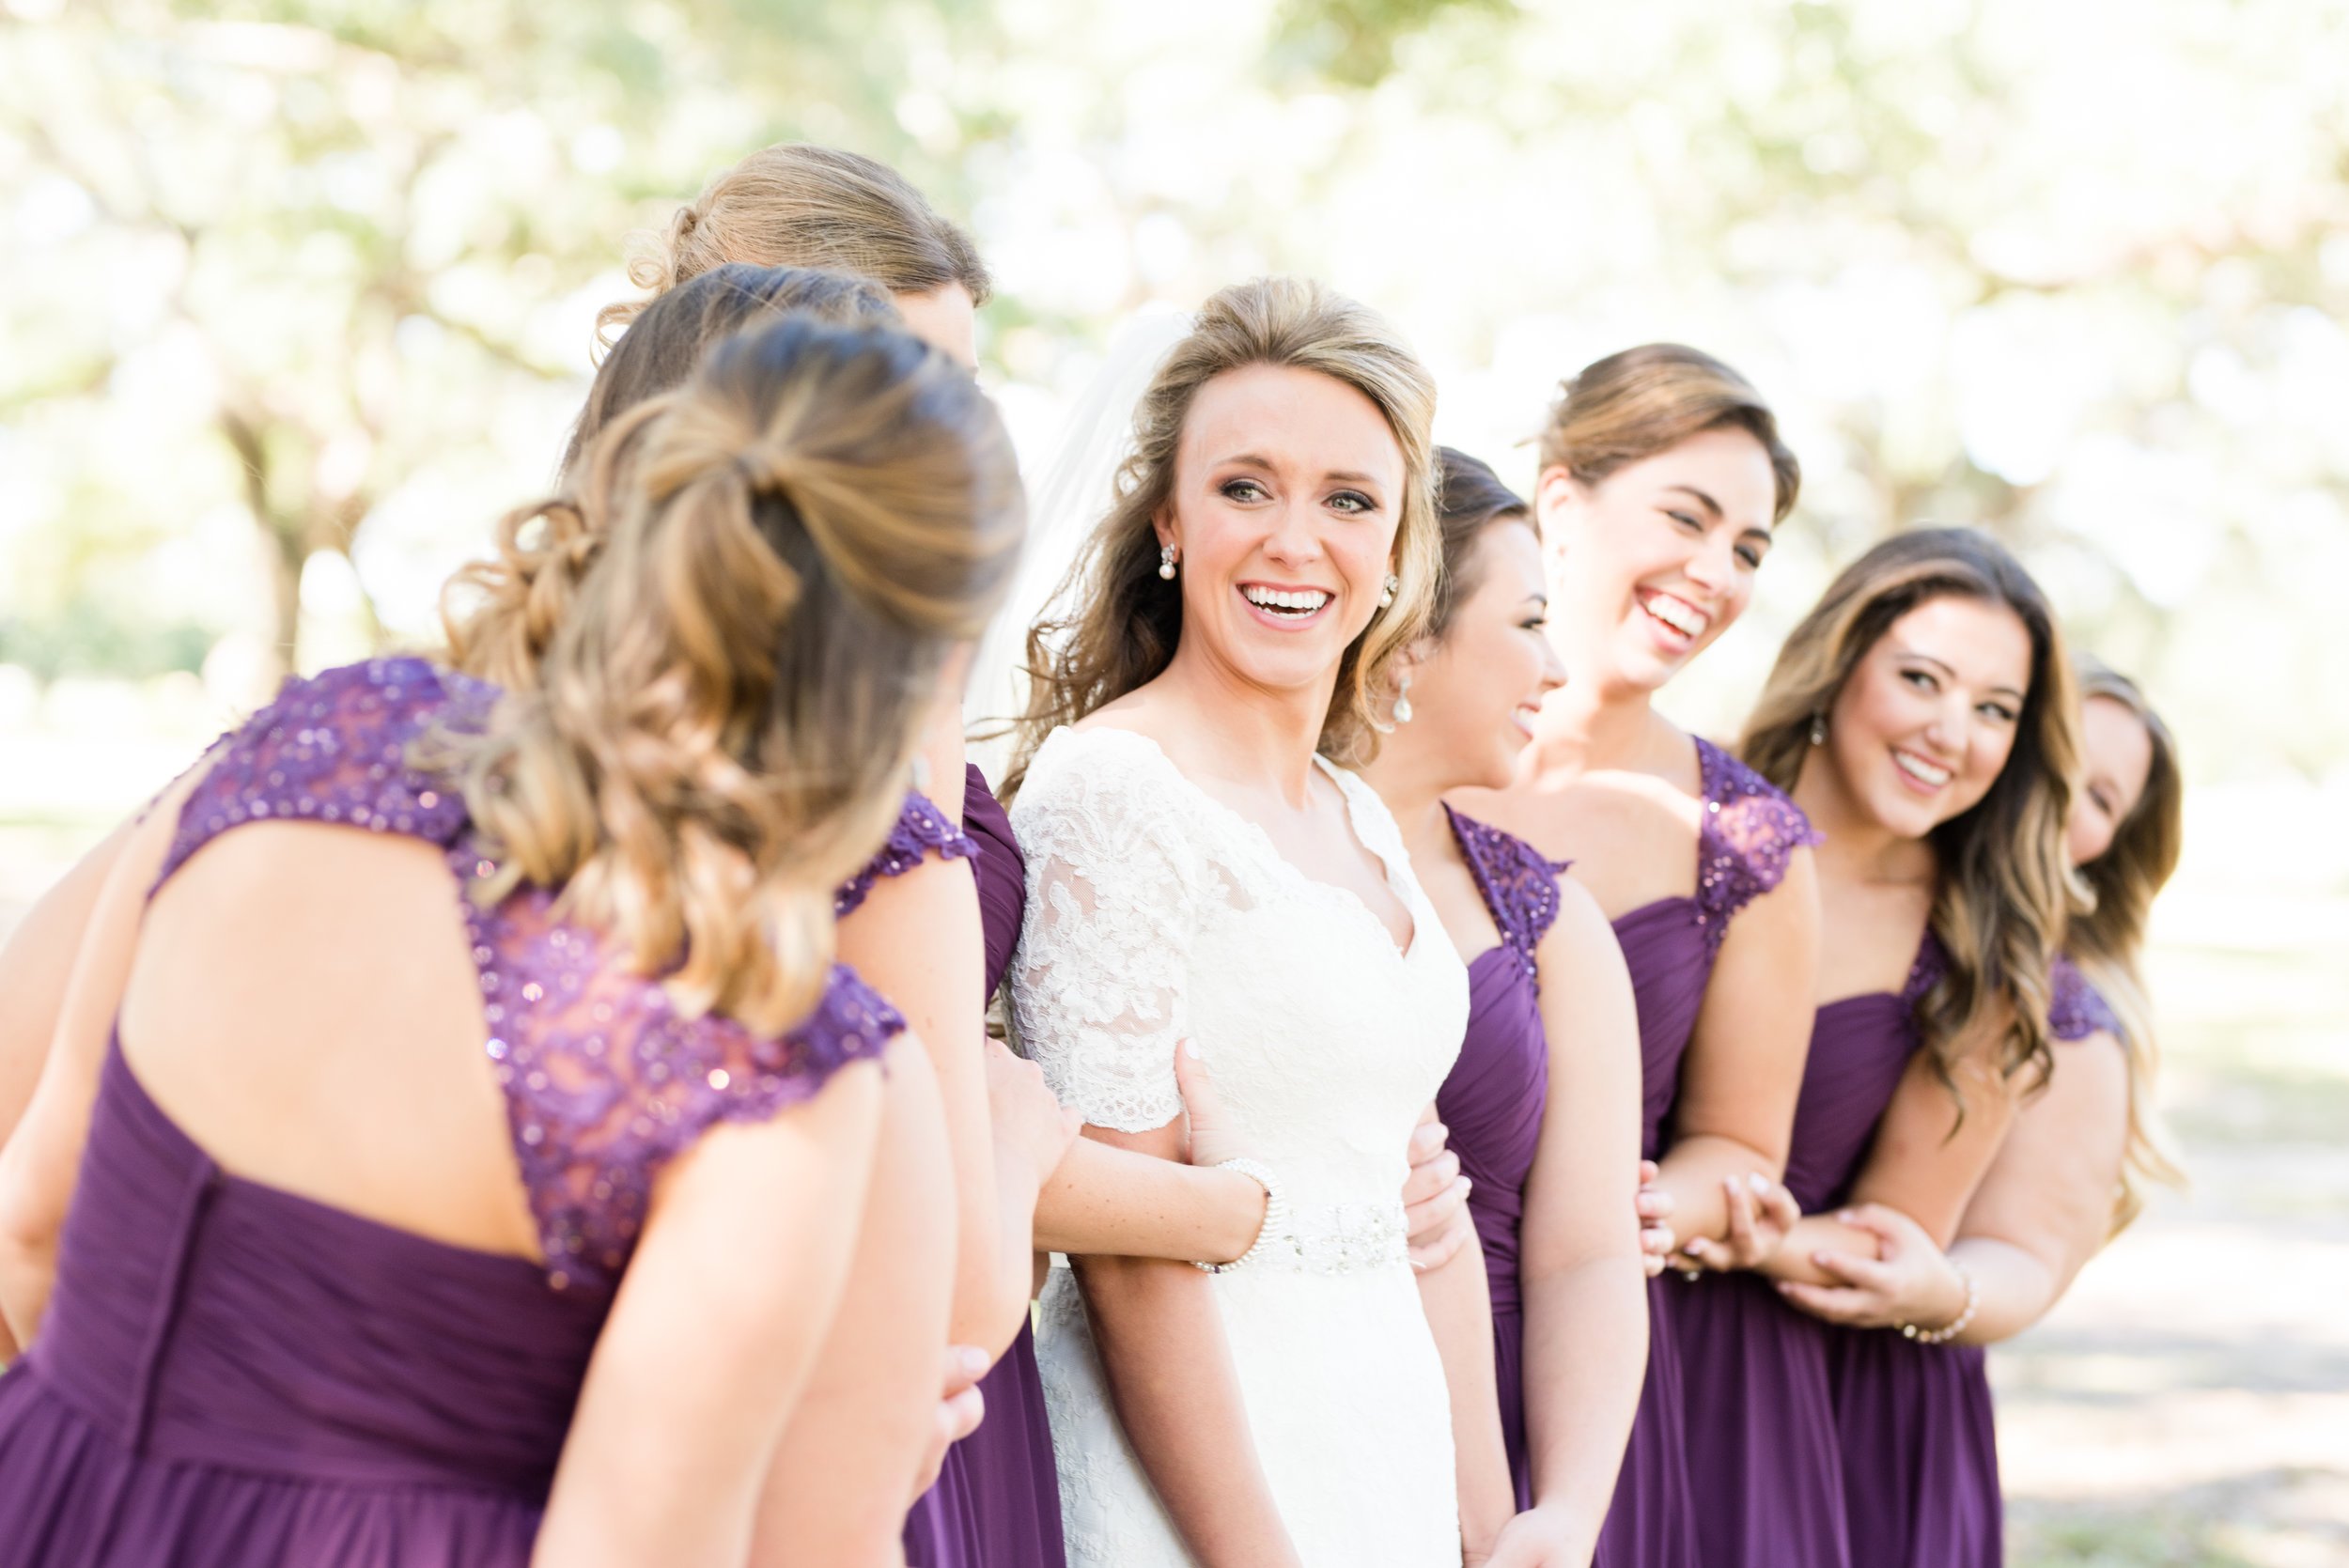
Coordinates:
<point>1858,848</point>
<point>1588,726</point>
<point>1411,780</point>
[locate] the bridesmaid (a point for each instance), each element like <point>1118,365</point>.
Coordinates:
<point>1922,714</point>
<point>1919,1452</point>
<point>1544,1102</point>
<point>1662,478</point>
<point>799,205</point>
<point>640,941</point>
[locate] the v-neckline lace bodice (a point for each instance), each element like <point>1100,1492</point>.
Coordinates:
<point>1158,913</point>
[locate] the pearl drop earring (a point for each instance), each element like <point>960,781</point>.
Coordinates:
<point>1386,593</point>
<point>1166,562</point>
<point>1818,729</point>
<point>1402,699</point>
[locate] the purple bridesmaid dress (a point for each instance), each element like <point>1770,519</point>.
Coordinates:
<point>1747,833</point>
<point>1492,1099</point>
<point>1762,1443</point>
<point>1920,1452</point>
<point>233,1376</point>
<point>996,1501</point>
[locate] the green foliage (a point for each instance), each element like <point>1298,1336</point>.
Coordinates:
<point>1352,42</point>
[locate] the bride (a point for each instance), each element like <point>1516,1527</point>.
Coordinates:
<point>1199,870</point>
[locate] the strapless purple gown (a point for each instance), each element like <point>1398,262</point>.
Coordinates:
<point>1919,1442</point>
<point>1763,1446</point>
<point>996,1501</point>
<point>1493,1097</point>
<point>1747,833</point>
<point>232,1377</point>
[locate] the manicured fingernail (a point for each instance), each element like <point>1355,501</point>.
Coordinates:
<point>973,1360</point>
<point>1844,1215</point>
<point>1190,1048</point>
<point>1759,1182</point>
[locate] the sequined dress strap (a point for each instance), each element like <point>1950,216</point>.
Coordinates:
<point>1519,886</point>
<point>605,1080</point>
<point>334,748</point>
<point>1749,833</point>
<point>922,830</point>
<point>2075,1009</point>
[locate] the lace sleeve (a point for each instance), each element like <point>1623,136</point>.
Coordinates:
<point>333,747</point>
<point>922,830</point>
<point>1748,833</point>
<point>2075,1009</point>
<point>1105,945</point>
<point>1519,883</point>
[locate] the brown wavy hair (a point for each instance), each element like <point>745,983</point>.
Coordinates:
<point>1113,622</point>
<point>1469,496</point>
<point>499,615</point>
<point>2005,889</point>
<point>2107,940</point>
<point>1632,405</point>
<point>799,205</point>
<point>719,728</point>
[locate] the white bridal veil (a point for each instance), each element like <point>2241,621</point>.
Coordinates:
<point>1066,499</point>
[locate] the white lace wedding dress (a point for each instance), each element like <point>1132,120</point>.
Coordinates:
<point>1157,913</point>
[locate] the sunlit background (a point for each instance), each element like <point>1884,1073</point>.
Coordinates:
<point>298,298</point>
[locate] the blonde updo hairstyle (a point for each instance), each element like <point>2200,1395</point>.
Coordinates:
<point>1114,624</point>
<point>499,615</point>
<point>1634,405</point>
<point>719,729</point>
<point>2107,940</point>
<point>798,205</point>
<point>2005,889</point>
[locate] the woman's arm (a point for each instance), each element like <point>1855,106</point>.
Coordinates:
<point>714,1336</point>
<point>1160,1338</point>
<point>41,1161</point>
<point>1926,1163</point>
<point>916,939</point>
<point>849,1460</point>
<point>2040,1213</point>
<point>1456,1298</point>
<point>1582,1272</point>
<point>35,964</point>
<point>1743,1070</point>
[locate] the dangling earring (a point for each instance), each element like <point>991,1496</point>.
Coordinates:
<point>1818,729</point>
<point>1402,699</point>
<point>1386,598</point>
<point>1166,562</point>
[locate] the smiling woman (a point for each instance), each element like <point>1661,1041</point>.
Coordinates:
<point>1197,869</point>
<point>1923,715</point>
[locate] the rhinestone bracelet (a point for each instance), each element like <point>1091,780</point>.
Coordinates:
<point>1276,1213</point>
<point>1957,1324</point>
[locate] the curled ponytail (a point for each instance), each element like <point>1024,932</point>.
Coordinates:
<point>715,733</point>
<point>499,615</point>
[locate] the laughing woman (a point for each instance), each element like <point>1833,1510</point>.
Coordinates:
<point>1663,478</point>
<point>1197,868</point>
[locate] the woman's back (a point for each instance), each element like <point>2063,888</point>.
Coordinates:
<point>370,1275</point>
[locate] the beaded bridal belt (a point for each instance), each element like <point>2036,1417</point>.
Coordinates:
<point>1336,1239</point>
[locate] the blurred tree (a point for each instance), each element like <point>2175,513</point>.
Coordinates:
<point>358,233</point>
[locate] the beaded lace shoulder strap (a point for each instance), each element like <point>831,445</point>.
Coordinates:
<point>1749,831</point>
<point>1519,885</point>
<point>334,748</point>
<point>922,830</point>
<point>2075,1009</point>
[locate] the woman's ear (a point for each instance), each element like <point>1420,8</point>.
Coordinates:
<point>1558,495</point>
